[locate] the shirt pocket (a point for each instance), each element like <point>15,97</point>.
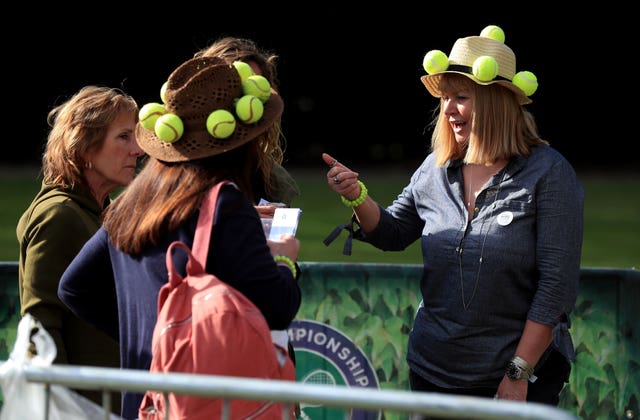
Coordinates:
<point>514,230</point>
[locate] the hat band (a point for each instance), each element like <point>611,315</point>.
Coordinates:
<point>468,69</point>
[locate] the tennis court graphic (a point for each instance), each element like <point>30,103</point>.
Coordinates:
<point>324,355</point>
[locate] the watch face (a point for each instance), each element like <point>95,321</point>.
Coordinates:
<point>513,371</point>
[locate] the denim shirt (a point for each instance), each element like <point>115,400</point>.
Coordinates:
<point>517,259</point>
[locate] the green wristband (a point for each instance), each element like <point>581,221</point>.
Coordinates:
<point>359,200</point>
<point>289,262</point>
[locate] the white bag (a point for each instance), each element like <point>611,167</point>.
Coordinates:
<point>27,400</point>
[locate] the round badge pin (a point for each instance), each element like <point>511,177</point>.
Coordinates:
<point>505,218</point>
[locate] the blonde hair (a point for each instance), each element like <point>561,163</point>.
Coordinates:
<point>79,126</point>
<point>272,143</point>
<point>231,49</point>
<point>500,127</point>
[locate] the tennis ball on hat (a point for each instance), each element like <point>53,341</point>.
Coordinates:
<point>493,32</point>
<point>149,114</point>
<point>526,81</point>
<point>485,68</point>
<point>169,128</point>
<point>163,90</point>
<point>258,86</point>
<point>221,124</point>
<point>435,61</point>
<point>249,109</point>
<point>244,69</point>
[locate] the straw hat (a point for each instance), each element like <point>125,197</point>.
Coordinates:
<point>193,91</point>
<point>467,50</point>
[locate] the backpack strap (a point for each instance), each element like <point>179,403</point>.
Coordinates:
<point>200,248</point>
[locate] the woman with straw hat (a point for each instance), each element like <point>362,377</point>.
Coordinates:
<point>499,214</point>
<point>188,155</point>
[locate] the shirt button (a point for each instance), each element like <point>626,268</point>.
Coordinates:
<point>476,209</point>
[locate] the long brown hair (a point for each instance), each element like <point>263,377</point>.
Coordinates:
<point>500,127</point>
<point>163,195</point>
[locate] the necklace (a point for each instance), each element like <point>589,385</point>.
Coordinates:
<point>466,304</point>
<point>470,188</point>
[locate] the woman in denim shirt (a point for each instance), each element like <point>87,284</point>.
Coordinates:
<point>499,214</point>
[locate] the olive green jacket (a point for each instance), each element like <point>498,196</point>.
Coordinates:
<point>51,232</point>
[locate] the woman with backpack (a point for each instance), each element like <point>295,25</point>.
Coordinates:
<point>115,279</point>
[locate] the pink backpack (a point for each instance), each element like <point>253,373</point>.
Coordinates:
<point>206,326</point>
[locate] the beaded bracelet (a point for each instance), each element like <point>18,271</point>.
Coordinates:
<point>289,262</point>
<point>359,200</point>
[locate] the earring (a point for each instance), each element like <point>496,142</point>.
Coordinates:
<point>88,165</point>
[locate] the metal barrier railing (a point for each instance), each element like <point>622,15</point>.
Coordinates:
<point>230,388</point>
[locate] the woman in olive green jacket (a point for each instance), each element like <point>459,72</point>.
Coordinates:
<point>91,151</point>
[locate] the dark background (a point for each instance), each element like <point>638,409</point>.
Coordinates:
<point>350,78</point>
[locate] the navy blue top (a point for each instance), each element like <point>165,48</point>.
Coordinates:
<point>517,259</point>
<point>118,292</point>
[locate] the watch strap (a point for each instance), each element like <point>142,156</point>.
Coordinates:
<point>522,367</point>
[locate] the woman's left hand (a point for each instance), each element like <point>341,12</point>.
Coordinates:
<point>515,390</point>
<point>266,212</point>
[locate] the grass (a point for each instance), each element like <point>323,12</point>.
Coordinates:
<point>611,232</point>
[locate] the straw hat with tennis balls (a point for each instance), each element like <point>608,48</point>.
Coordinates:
<point>194,91</point>
<point>466,52</point>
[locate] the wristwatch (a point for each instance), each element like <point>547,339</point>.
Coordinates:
<point>518,368</point>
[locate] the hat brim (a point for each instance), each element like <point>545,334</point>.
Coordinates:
<point>194,90</point>
<point>432,83</point>
<point>197,144</point>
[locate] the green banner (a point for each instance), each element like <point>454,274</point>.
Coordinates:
<point>374,306</point>
<point>353,326</point>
